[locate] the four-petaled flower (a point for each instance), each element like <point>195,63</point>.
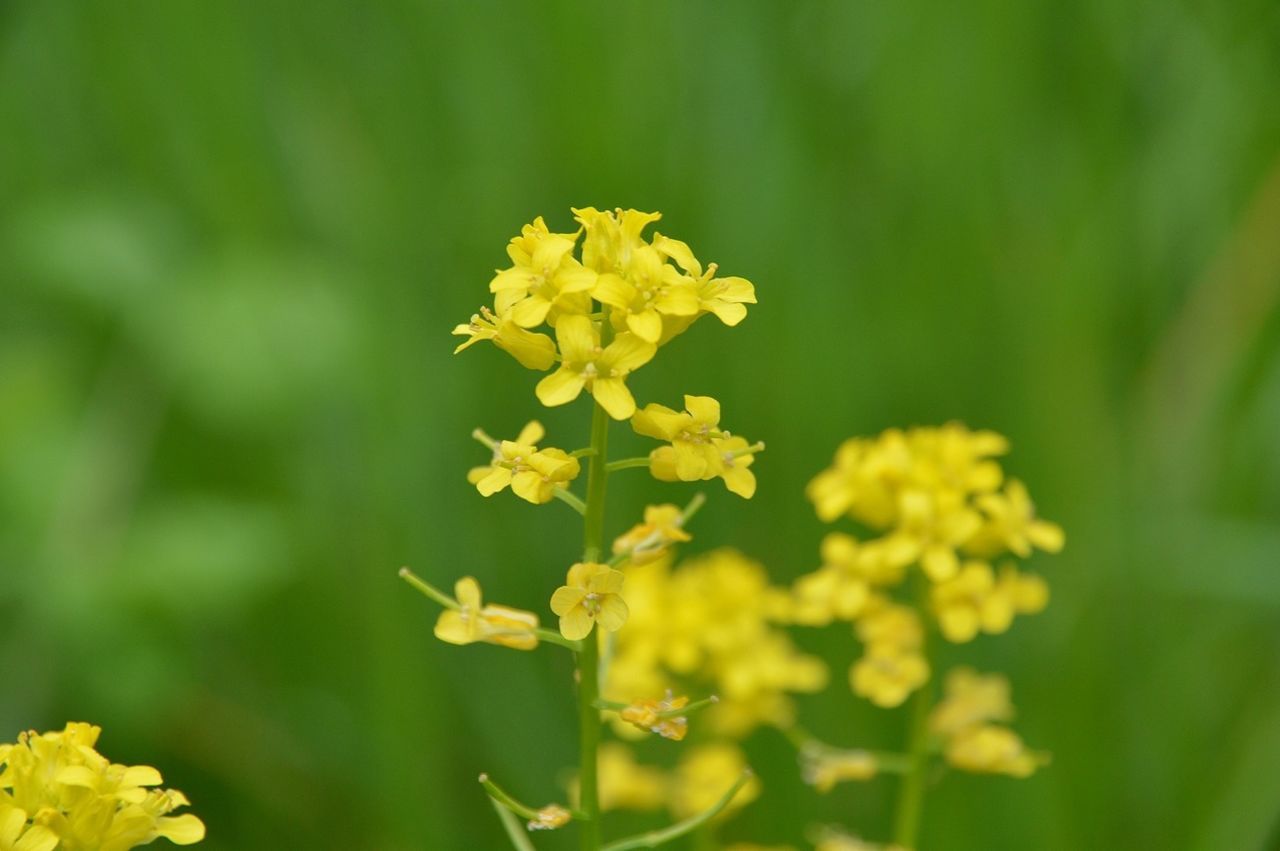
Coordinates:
<point>473,621</point>
<point>592,595</point>
<point>545,279</point>
<point>602,370</point>
<point>533,474</point>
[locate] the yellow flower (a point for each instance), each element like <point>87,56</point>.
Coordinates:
<point>550,817</point>
<point>704,774</point>
<point>86,802</point>
<point>974,601</point>
<point>644,542</point>
<point>725,297</point>
<point>835,840</point>
<point>532,474</point>
<point>690,432</point>
<point>593,595</point>
<point>533,351</point>
<point>627,785</point>
<point>824,768</point>
<point>611,238</point>
<point>971,699</point>
<point>646,292</point>
<point>990,749</point>
<point>17,835</point>
<point>602,371</point>
<point>892,666</point>
<point>545,280</point>
<point>473,621</point>
<point>648,715</point>
<point>1011,523</point>
<point>932,525</point>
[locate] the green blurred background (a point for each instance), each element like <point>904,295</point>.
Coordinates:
<point>234,238</point>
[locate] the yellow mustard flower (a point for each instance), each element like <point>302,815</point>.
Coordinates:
<point>892,666</point>
<point>1011,523</point>
<point>87,802</point>
<point>545,280</point>
<point>611,237</point>
<point>932,525</point>
<point>991,749</point>
<point>704,774</point>
<point>533,474</point>
<point>690,432</point>
<point>652,716</point>
<point>18,834</point>
<point>970,699</point>
<point>626,784</point>
<point>473,621</point>
<point>550,817</point>
<point>663,526</point>
<point>532,350</point>
<point>645,293</point>
<point>593,595</point>
<point>727,298</point>
<point>601,370</point>
<point>975,601</point>
<point>824,768</point>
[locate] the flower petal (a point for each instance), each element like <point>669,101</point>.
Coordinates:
<point>614,397</point>
<point>560,387</point>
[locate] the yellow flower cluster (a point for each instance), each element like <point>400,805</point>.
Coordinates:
<point>700,777</point>
<point>964,721</point>
<point>712,621</point>
<point>650,291</point>
<point>936,498</point>
<point>57,791</point>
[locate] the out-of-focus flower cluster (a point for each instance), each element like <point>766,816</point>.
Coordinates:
<point>934,498</point>
<point>966,722</point>
<point>698,779</point>
<point>648,290</point>
<point>58,792</point>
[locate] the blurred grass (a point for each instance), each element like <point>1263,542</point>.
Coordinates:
<point>234,237</point>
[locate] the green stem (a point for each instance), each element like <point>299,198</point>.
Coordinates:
<point>571,499</point>
<point>589,654</point>
<point>515,830</point>
<point>439,596</point>
<point>500,795</point>
<point>552,637</point>
<point>654,838</point>
<point>627,463</point>
<point>907,816</point>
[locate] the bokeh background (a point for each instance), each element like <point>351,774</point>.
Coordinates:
<point>234,238</point>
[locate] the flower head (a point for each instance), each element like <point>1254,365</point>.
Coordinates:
<point>663,526</point>
<point>545,280</point>
<point>532,474</point>
<point>473,621</point>
<point>976,601</point>
<point>601,370</point>
<point>699,449</point>
<point>990,749</point>
<point>1011,523</point>
<point>592,595</point>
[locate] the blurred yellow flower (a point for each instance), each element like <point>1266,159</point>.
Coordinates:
<point>704,774</point>
<point>663,526</point>
<point>892,666</point>
<point>473,621</point>
<point>601,370</point>
<point>86,802</point>
<point>648,715</point>
<point>989,749</point>
<point>550,817</point>
<point>970,699</point>
<point>1011,523</point>
<point>825,768</point>
<point>533,351</point>
<point>975,601</point>
<point>593,595</point>
<point>626,784</point>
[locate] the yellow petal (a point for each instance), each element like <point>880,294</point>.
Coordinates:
<point>530,311</point>
<point>679,252</point>
<point>577,337</point>
<point>565,598</point>
<point>691,464</point>
<point>613,613</point>
<point>531,487</point>
<point>626,353</point>
<point>531,434</point>
<point>704,409</point>
<point>495,480</point>
<point>37,838</point>
<point>467,592</point>
<point>533,351</point>
<point>647,325</point>
<point>728,313</point>
<point>613,291</point>
<point>678,300</point>
<point>662,464</point>
<point>741,481</point>
<point>560,387</point>
<point>614,397</point>
<point>657,421</point>
<point>181,830</point>
<point>1047,536</point>
<point>453,628</point>
<point>575,623</point>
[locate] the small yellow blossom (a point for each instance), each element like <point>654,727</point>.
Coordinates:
<point>975,601</point>
<point>645,293</point>
<point>892,667</point>
<point>545,280</point>
<point>990,749</point>
<point>1011,523</point>
<point>970,699</point>
<point>824,768</point>
<point>601,370</point>
<point>626,784</point>
<point>690,432</point>
<point>652,716</point>
<point>532,350</point>
<point>85,801</point>
<point>550,817</point>
<point>932,525</point>
<point>611,237</point>
<point>644,542</point>
<point>533,474</point>
<point>704,774</point>
<point>725,297</point>
<point>473,621</point>
<point>593,595</point>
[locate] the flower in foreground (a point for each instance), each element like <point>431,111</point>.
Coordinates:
<point>85,801</point>
<point>472,621</point>
<point>532,350</point>
<point>592,595</point>
<point>533,474</point>
<point>602,370</point>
